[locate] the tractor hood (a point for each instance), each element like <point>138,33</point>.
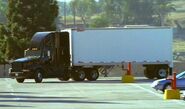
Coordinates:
<point>26,59</point>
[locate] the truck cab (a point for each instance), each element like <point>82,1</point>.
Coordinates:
<point>47,57</point>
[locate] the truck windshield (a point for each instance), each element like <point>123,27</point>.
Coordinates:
<point>32,53</point>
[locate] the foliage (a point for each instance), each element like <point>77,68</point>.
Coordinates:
<point>3,8</point>
<point>123,12</point>
<point>99,21</point>
<point>162,8</point>
<point>83,8</point>
<point>3,32</point>
<point>14,46</point>
<point>114,10</point>
<point>25,17</point>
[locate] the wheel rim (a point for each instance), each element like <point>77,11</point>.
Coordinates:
<point>81,74</point>
<point>162,73</point>
<point>39,76</point>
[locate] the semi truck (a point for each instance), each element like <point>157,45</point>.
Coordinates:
<point>79,54</point>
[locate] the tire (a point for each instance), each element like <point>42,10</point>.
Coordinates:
<point>150,74</point>
<point>79,75</point>
<point>38,76</point>
<point>167,86</point>
<point>92,75</point>
<point>161,73</point>
<point>65,77</point>
<point>20,80</point>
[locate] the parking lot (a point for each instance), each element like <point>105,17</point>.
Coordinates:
<point>107,93</point>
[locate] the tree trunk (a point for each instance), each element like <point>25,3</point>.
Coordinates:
<point>83,20</point>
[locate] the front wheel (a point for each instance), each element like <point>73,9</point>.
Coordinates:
<point>20,80</point>
<point>38,76</point>
<point>92,75</point>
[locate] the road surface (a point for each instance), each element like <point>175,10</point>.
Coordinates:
<point>105,93</point>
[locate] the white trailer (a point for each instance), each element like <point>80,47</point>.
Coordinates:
<point>149,46</point>
<point>80,54</point>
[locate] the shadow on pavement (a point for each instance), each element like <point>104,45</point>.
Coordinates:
<point>58,101</point>
<point>17,92</point>
<point>13,106</point>
<point>38,97</point>
<point>97,81</point>
<point>45,99</point>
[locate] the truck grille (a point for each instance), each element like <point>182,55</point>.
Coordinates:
<point>17,67</point>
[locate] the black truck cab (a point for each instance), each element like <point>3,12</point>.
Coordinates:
<point>47,57</point>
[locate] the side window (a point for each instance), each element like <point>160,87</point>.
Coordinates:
<point>48,46</point>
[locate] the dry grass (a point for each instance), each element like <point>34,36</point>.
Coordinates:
<point>179,45</point>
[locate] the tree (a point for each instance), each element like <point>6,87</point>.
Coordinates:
<point>3,5</point>
<point>123,12</point>
<point>162,8</point>
<point>83,8</point>
<point>141,11</point>
<point>114,10</point>
<point>99,21</point>
<point>25,17</point>
<point>3,33</point>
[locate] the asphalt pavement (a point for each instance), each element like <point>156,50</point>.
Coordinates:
<point>105,93</point>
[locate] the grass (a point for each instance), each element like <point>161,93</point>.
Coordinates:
<point>179,45</point>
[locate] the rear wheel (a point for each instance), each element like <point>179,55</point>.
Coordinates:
<point>92,75</point>
<point>38,76</point>
<point>161,73</point>
<point>78,75</point>
<point>20,80</point>
<point>158,71</point>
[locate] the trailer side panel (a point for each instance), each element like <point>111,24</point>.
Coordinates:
<point>122,45</point>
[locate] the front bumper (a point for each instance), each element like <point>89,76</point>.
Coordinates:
<point>157,86</point>
<point>21,74</point>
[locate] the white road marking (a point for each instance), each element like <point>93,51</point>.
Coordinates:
<point>9,86</point>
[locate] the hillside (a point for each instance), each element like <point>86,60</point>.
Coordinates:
<point>179,14</point>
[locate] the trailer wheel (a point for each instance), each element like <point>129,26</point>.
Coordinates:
<point>150,74</point>
<point>78,75</point>
<point>162,73</point>
<point>92,75</point>
<point>38,76</point>
<point>20,80</point>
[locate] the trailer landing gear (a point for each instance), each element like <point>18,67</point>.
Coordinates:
<point>128,77</point>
